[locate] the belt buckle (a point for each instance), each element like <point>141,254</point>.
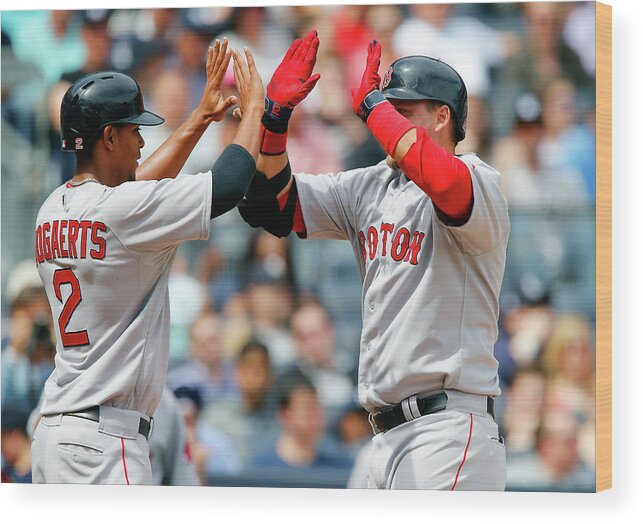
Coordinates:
<point>371,421</point>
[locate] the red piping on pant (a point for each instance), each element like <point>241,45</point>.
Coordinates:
<point>123,457</point>
<point>455,482</point>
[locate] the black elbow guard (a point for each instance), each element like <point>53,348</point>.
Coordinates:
<point>260,207</point>
<point>231,176</point>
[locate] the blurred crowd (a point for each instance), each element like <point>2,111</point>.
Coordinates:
<point>265,331</point>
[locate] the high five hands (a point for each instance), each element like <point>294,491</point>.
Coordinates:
<point>292,80</point>
<point>248,81</point>
<point>212,104</point>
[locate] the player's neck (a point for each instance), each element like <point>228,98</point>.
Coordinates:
<point>85,170</point>
<point>445,142</point>
<point>96,170</point>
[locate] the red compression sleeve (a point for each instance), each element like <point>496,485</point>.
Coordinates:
<point>441,175</point>
<point>388,126</point>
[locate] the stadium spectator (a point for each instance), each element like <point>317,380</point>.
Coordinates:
<point>98,44</point>
<point>433,29</point>
<point>27,357</point>
<point>170,98</point>
<point>22,84</point>
<point>170,452</point>
<point>306,132</point>
<point>188,299</point>
<point>315,339</point>
<point>555,465</point>
<point>15,445</point>
<point>187,54</point>
<point>142,39</point>
<point>253,27</point>
<point>206,371</point>
<point>353,428</point>
<point>579,33</point>
<point>529,325</point>
<point>569,358</point>
<point>300,444</point>
<point>543,56</point>
<point>567,150</point>
<point>211,452</point>
<point>524,183</point>
<point>524,405</point>
<point>269,305</point>
<point>269,254</point>
<point>251,412</point>
<point>59,47</point>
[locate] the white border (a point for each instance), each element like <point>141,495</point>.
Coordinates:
<point>52,504</point>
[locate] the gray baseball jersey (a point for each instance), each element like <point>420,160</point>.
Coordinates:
<point>104,255</point>
<point>430,290</point>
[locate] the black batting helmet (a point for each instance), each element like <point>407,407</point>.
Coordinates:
<point>425,78</point>
<point>97,100</point>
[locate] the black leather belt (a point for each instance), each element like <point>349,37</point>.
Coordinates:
<point>392,416</point>
<point>93,414</point>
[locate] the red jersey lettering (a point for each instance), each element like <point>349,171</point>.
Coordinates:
<point>372,242</point>
<point>63,237</point>
<point>59,239</point>
<point>414,248</point>
<point>98,241</point>
<point>85,225</point>
<point>72,236</point>
<point>46,227</point>
<point>362,244</point>
<point>385,229</point>
<point>40,257</point>
<point>400,244</point>
<point>55,248</point>
<point>405,246</point>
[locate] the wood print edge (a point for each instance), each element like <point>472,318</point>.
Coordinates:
<point>603,247</point>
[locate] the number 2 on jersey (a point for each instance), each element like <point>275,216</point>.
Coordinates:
<point>69,338</point>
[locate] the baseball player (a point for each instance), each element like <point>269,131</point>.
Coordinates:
<point>429,230</point>
<point>105,242</point>
<point>170,452</point>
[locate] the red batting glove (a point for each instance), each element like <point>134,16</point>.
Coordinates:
<point>292,80</point>
<point>368,94</point>
<point>290,84</point>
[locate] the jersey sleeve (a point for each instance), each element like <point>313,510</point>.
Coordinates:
<point>329,203</point>
<point>488,224</point>
<point>147,215</point>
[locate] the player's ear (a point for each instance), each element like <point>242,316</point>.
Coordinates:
<point>108,137</point>
<point>442,117</point>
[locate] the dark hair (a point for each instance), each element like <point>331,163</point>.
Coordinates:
<point>251,347</point>
<point>27,296</point>
<point>15,417</point>
<point>288,383</point>
<point>190,393</point>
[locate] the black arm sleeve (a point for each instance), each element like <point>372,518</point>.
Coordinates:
<point>260,207</point>
<point>231,175</point>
